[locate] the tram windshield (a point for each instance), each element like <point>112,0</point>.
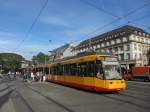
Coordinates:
<point>111,68</point>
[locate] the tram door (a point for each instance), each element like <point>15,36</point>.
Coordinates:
<point>80,71</point>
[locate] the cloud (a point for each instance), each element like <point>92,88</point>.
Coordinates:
<point>7,34</point>
<point>7,39</point>
<point>56,20</point>
<point>79,32</point>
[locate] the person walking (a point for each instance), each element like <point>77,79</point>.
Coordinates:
<point>41,76</point>
<point>32,76</point>
<point>14,75</point>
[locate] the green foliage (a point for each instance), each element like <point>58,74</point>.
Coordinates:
<point>10,61</point>
<point>40,58</point>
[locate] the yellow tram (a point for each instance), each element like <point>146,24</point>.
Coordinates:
<point>91,71</point>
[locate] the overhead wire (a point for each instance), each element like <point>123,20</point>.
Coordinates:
<point>134,20</point>
<point>100,9</point>
<point>140,18</point>
<point>117,19</point>
<point>32,25</point>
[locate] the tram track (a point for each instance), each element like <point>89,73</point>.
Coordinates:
<point>136,97</point>
<point>17,95</point>
<point>139,96</point>
<point>117,97</point>
<point>137,93</point>
<point>127,101</point>
<point>19,99</point>
<point>140,87</point>
<point>51,99</point>
<point>140,84</point>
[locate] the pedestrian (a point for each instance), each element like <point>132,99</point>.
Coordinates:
<point>9,75</point>
<point>44,78</point>
<point>41,76</point>
<point>32,76</point>
<point>14,75</point>
<point>24,77</point>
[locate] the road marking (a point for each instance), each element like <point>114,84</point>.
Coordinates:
<point>147,83</point>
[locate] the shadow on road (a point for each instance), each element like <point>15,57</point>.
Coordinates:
<point>5,98</point>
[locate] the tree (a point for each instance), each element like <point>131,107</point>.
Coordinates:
<point>10,61</point>
<point>40,58</point>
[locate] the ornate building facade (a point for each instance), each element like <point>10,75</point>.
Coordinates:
<point>130,44</point>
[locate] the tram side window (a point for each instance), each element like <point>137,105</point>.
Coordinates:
<point>67,69</point>
<point>91,69</point>
<point>49,69</point>
<point>46,70</point>
<point>52,70</point>
<point>63,70</point>
<point>82,69</point>
<point>60,70</point>
<point>73,69</point>
<point>55,70</point>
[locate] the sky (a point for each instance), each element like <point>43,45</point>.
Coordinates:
<point>64,21</point>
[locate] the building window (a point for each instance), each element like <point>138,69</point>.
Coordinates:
<point>135,32</point>
<point>128,56</point>
<point>103,45</point>
<point>124,39</point>
<point>138,38</point>
<point>127,47</point>
<point>121,56</point>
<point>143,40</point>
<point>118,41</point>
<point>135,56</point>
<point>140,56</point>
<point>112,42</point>
<point>116,49</point>
<point>102,50</point>
<point>135,47</point>
<point>107,51</point>
<point>107,43</point>
<point>140,47</point>
<point>120,48</point>
<point>146,41</point>
<point>110,50</point>
<point>140,33</point>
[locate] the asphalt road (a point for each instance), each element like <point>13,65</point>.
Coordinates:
<point>19,96</point>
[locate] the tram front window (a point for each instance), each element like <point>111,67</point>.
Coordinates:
<point>111,70</point>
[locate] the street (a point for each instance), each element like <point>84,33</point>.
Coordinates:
<point>19,96</point>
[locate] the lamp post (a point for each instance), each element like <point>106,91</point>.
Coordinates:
<point>0,69</point>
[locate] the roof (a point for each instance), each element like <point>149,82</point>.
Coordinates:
<point>126,28</point>
<point>87,53</point>
<point>61,49</point>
